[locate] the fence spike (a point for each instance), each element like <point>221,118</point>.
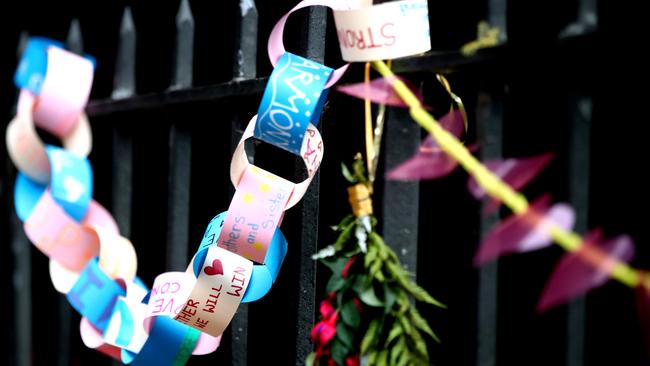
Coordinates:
<point>245,65</point>
<point>74,41</point>
<point>125,68</point>
<point>22,43</point>
<point>184,57</point>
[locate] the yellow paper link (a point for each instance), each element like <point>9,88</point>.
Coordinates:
<point>487,37</point>
<point>455,98</point>
<point>493,185</point>
<point>370,145</point>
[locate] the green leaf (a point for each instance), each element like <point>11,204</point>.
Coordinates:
<point>350,315</point>
<point>345,335</point>
<point>344,223</point>
<point>346,174</point>
<point>420,344</point>
<point>372,358</point>
<point>335,264</point>
<point>421,323</point>
<point>369,297</point>
<point>422,295</point>
<point>359,170</point>
<point>375,268</point>
<point>335,283</point>
<point>370,338</point>
<point>406,325</point>
<point>361,284</point>
<point>379,276</point>
<point>382,358</point>
<point>416,360</point>
<point>397,350</point>
<point>309,361</point>
<point>402,302</point>
<point>345,235</point>
<point>370,256</point>
<point>339,351</point>
<point>411,287</point>
<point>395,332</point>
<point>404,358</point>
<point>389,298</point>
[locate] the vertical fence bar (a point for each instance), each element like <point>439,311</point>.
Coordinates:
<point>122,154</point>
<point>180,148</point>
<point>588,12</point>
<point>22,274</point>
<point>314,45</point>
<point>244,67</point>
<point>579,160</point>
<point>497,17</point>
<point>122,140</point>
<point>22,279</point>
<point>74,43</point>
<point>490,134</point>
<point>401,199</point>
<point>587,19</point>
<point>125,65</point>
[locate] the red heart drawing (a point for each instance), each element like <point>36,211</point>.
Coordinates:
<point>215,269</point>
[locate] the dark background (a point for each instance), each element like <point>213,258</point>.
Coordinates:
<point>536,77</point>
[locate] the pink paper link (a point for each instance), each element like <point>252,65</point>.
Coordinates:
<point>276,44</point>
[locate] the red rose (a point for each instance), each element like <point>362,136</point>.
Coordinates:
<point>324,331</point>
<point>326,308</point>
<point>352,360</point>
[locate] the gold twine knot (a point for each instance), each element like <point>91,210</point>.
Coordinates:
<point>359,198</point>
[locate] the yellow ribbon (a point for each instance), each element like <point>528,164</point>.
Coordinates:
<point>492,184</point>
<point>373,137</point>
<point>487,37</point>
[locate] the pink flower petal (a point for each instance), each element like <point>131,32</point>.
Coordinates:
<point>453,122</point>
<point>516,172</point>
<point>585,269</point>
<point>525,232</point>
<point>379,91</point>
<point>431,162</point>
<point>423,165</point>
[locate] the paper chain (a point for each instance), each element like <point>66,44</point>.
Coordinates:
<point>242,250</point>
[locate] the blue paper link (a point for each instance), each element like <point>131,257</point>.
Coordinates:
<point>166,344</point>
<point>32,67</point>
<point>127,326</point>
<point>294,97</point>
<point>263,275</point>
<point>26,195</point>
<point>72,181</point>
<point>94,295</point>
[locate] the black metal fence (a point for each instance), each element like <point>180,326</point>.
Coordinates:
<point>177,81</point>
